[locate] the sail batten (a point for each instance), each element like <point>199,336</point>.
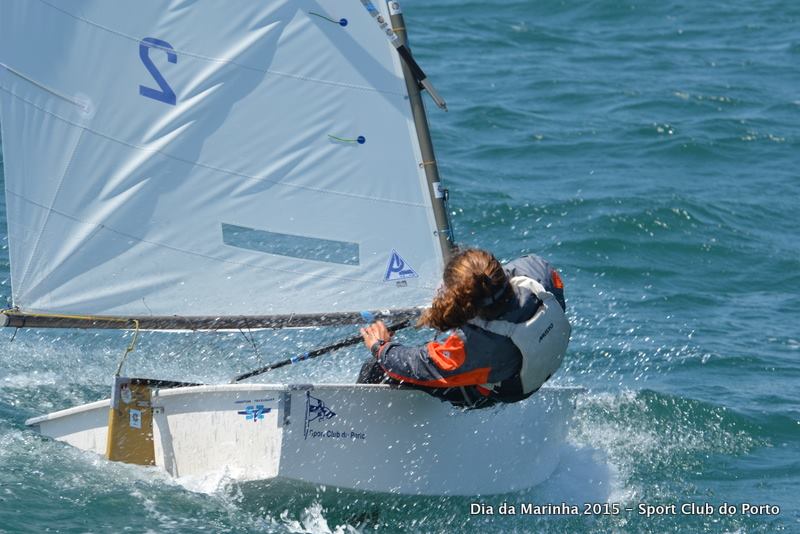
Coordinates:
<point>247,161</point>
<point>228,241</point>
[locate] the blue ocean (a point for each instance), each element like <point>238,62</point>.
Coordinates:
<point>649,150</point>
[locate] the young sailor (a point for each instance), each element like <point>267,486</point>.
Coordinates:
<point>507,333</point>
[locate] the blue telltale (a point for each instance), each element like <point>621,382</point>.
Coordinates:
<point>360,139</point>
<point>341,22</point>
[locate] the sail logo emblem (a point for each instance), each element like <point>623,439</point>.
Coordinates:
<point>398,269</point>
<point>315,411</point>
<point>254,413</point>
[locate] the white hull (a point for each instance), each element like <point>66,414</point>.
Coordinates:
<point>367,437</point>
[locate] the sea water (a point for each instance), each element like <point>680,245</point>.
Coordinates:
<point>651,151</point>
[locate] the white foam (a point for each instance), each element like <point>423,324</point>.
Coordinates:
<point>32,379</point>
<point>210,483</point>
<point>584,475</point>
<point>313,522</point>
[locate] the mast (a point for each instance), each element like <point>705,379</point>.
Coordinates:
<point>414,79</point>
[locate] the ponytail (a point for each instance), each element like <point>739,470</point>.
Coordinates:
<point>475,285</point>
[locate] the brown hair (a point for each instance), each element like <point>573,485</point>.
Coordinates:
<point>474,285</point>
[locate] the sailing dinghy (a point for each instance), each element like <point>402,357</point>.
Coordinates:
<point>366,437</point>
<point>237,165</point>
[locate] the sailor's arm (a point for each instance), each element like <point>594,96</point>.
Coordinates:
<point>435,364</point>
<point>540,270</point>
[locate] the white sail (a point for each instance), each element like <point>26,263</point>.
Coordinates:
<point>214,158</point>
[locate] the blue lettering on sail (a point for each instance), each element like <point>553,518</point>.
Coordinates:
<point>166,94</point>
<point>398,269</point>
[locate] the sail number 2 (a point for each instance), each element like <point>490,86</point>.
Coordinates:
<point>165,93</point>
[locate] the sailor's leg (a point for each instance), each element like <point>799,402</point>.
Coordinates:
<point>372,373</point>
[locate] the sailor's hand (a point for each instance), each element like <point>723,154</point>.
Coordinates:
<point>375,333</point>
